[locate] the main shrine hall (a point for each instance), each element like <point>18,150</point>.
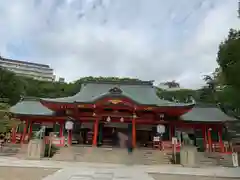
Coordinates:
<point>107,113</point>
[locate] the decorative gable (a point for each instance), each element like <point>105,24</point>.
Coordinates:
<point>115,90</point>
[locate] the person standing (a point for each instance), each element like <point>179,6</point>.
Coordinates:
<point>2,140</point>
<point>129,145</point>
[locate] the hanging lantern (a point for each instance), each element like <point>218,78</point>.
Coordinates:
<point>108,119</point>
<point>121,119</point>
<point>134,116</point>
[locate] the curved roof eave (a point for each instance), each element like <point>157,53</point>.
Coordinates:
<point>30,107</point>
<point>207,114</point>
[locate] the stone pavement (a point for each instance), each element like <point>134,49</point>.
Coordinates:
<point>123,173</point>
<point>104,171</point>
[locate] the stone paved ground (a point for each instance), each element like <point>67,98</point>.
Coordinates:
<point>105,171</point>
<point>158,176</point>
<point>88,173</point>
<point>121,173</point>
<point>22,173</point>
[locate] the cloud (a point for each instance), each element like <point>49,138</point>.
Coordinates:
<point>159,40</point>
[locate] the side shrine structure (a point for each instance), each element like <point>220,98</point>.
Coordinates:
<point>108,113</point>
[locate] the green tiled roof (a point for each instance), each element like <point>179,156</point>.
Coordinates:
<point>141,94</point>
<point>30,107</point>
<point>206,114</point>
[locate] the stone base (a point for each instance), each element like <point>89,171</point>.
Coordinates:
<point>36,149</point>
<point>188,156</point>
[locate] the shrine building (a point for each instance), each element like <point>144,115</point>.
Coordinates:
<point>104,112</point>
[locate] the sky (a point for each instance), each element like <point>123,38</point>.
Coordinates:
<point>147,39</point>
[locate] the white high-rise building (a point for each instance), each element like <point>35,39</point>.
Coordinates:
<point>36,71</point>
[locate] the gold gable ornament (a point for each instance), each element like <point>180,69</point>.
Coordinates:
<point>148,108</point>
<point>115,101</point>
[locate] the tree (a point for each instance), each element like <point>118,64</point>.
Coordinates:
<point>209,92</point>
<point>10,86</point>
<point>229,59</point>
<point>172,84</point>
<point>181,95</point>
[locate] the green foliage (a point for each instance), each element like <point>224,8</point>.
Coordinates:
<point>10,86</point>
<point>36,88</point>
<point>14,87</point>
<point>229,59</point>
<point>181,95</point>
<point>172,84</point>
<point>5,122</point>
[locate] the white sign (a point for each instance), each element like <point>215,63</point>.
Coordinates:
<point>160,128</point>
<point>174,140</point>
<point>69,125</point>
<point>235,159</point>
<point>108,119</point>
<point>156,139</point>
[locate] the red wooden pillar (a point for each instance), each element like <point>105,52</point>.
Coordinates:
<point>134,131</point>
<point>30,130</point>
<point>61,133</point>
<point>204,133</point>
<point>61,129</point>
<point>95,134</point>
<point>171,131</point>
<point>24,131</point>
<point>220,138</point>
<point>70,137</point>
<point>209,139</point>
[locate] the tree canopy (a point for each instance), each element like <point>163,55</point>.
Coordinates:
<point>10,86</point>
<point>229,59</point>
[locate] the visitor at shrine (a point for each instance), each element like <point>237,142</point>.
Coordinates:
<point>129,145</point>
<point>2,140</point>
<point>115,137</point>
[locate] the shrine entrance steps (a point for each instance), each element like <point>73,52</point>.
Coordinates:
<point>112,155</point>
<point>215,159</point>
<point>14,150</point>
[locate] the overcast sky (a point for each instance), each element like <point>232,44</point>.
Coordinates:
<point>148,39</point>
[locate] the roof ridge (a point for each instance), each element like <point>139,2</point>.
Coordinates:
<point>120,82</point>
<point>30,98</point>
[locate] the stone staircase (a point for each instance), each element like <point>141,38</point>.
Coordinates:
<point>215,159</point>
<point>64,154</point>
<point>15,150</point>
<point>10,150</point>
<point>22,153</point>
<point>151,157</point>
<point>112,155</point>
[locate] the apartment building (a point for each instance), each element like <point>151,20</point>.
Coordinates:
<point>36,71</point>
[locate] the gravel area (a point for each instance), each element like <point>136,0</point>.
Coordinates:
<point>185,177</point>
<point>21,173</point>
